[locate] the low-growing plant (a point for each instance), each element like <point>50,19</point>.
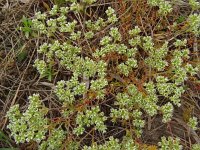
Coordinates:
<point>26,28</point>
<point>151,77</point>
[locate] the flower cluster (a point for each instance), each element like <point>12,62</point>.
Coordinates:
<point>32,124</point>
<point>126,101</point>
<point>138,123</point>
<point>193,123</point>
<point>169,90</point>
<point>194,23</point>
<point>111,144</point>
<point>89,2</point>
<point>90,117</point>
<point>156,55</point>
<point>153,74</point>
<point>41,67</point>
<point>170,143</point>
<point>66,90</point>
<point>195,146</point>
<point>135,31</point>
<point>127,67</point>
<point>112,17</point>
<point>98,87</point>
<point>119,113</point>
<point>127,143</point>
<point>77,7</point>
<point>194,4</point>
<point>54,140</point>
<point>114,33</point>
<point>180,71</point>
<point>167,111</point>
<point>164,6</point>
<point>95,26</point>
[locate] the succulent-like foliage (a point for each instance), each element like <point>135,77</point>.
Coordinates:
<point>194,21</point>
<point>196,147</point>
<point>90,117</point>
<point>30,125</point>
<point>193,123</point>
<point>164,6</point>
<point>54,140</point>
<point>151,75</point>
<point>170,143</point>
<point>114,144</point>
